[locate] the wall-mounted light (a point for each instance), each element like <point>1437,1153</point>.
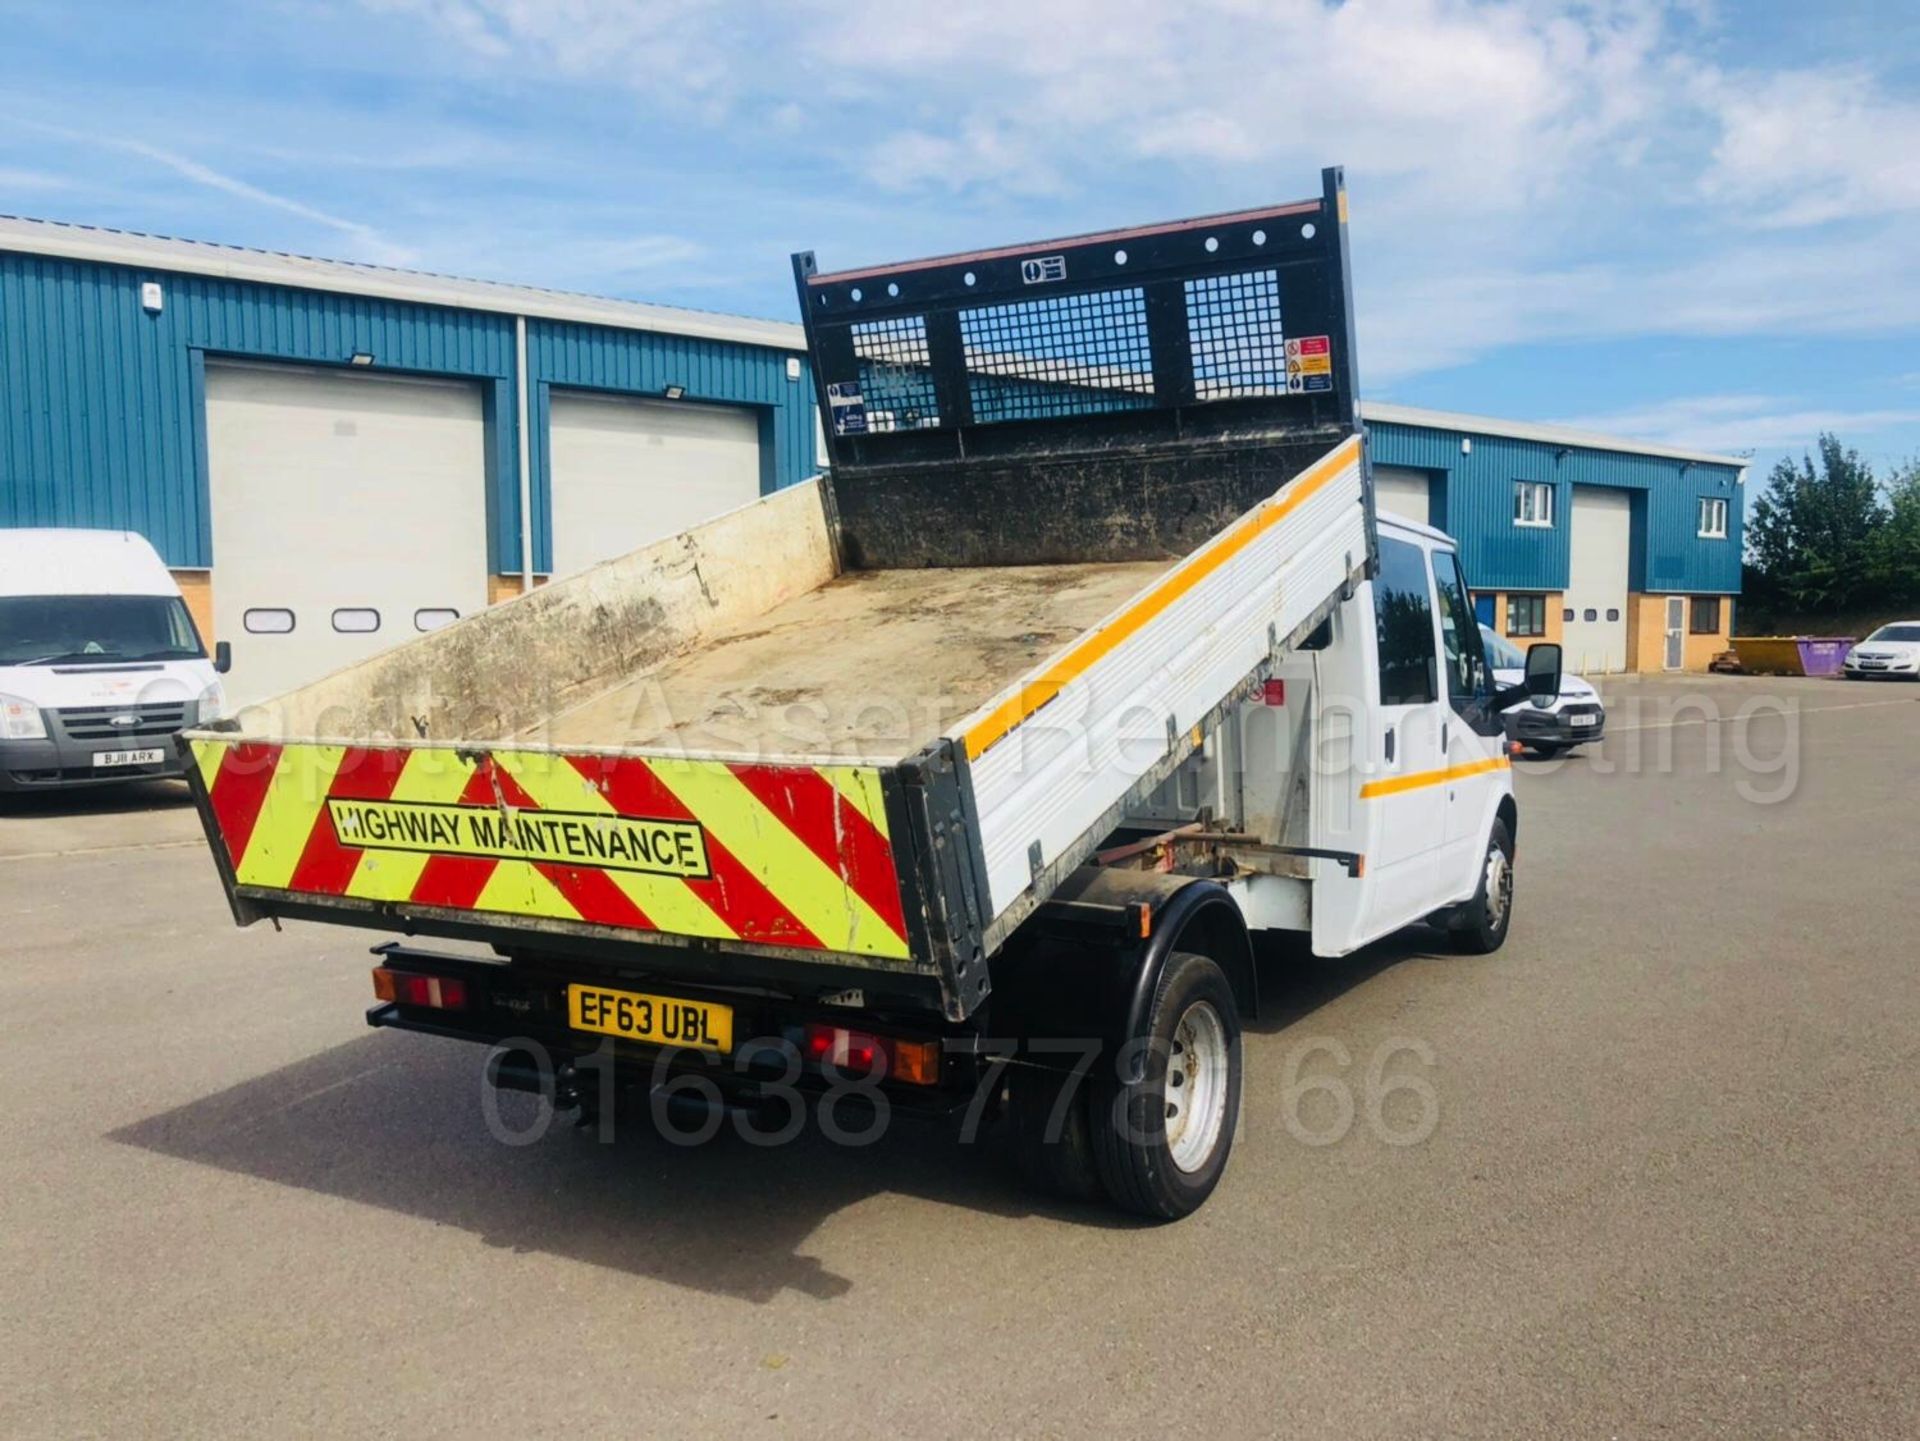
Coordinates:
<point>152,298</point>
<point>793,367</point>
<point>674,392</point>
<point>1466,445</point>
<point>1562,453</point>
<point>360,358</point>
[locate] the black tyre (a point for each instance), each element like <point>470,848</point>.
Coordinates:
<point>1479,928</point>
<point>1162,1142</point>
<point>1048,1134</point>
<point>1547,750</point>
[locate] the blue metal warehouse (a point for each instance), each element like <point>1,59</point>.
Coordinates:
<point>1629,554</point>
<point>332,456</point>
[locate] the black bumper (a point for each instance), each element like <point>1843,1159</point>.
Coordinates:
<point>1530,726</point>
<point>61,762</point>
<point>518,1011</point>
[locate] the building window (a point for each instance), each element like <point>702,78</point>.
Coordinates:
<point>1533,503</point>
<point>1713,518</point>
<point>1526,615</point>
<point>1403,615</point>
<point>1706,614</point>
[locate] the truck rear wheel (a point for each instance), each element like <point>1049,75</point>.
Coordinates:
<point>1161,1143</point>
<point>1479,928</point>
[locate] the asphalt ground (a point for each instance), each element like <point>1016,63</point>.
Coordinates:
<point>1659,1182</point>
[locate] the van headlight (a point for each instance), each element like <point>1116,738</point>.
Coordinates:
<point>212,705</point>
<point>20,720</point>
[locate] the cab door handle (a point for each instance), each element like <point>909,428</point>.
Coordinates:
<point>1390,731</point>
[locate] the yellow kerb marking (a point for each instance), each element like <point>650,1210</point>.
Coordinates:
<point>1096,645</point>
<point>1393,785</point>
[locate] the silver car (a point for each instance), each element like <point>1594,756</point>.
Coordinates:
<point>1892,650</point>
<point>1573,717</point>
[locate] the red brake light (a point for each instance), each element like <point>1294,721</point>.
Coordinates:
<point>439,993</point>
<point>858,1054</point>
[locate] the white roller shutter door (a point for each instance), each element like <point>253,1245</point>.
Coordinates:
<point>1403,492</point>
<point>349,514</point>
<point>1597,575</point>
<point>628,472</point>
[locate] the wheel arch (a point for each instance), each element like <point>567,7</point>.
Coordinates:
<point>1200,917</point>
<point>1510,813</point>
<point>1072,966</point>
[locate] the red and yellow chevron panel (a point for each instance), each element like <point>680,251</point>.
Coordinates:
<point>784,855</point>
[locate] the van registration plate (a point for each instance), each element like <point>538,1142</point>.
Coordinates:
<point>658,1020</point>
<point>128,758</point>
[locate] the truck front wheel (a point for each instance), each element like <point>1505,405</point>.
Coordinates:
<point>1479,928</point>
<point>1161,1142</point>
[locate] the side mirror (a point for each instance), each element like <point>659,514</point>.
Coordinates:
<point>222,656</point>
<point>1542,681</point>
<point>1543,670</point>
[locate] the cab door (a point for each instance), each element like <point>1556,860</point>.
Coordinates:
<point>1473,739</point>
<point>1404,785</point>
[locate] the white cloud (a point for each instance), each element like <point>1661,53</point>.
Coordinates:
<point>364,242</point>
<point>1746,421</point>
<point>36,180</point>
<point>1814,146</point>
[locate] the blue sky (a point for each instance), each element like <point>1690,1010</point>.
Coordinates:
<point>1695,222</point>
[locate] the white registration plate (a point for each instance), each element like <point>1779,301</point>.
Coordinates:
<point>1584,720</point>
<point>102,759</point>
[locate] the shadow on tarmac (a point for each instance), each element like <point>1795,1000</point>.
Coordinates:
<point>399,1123</point>
<point>124,798</point>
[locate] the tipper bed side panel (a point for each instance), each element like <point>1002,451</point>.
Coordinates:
<point>798,859</point>
<point>1052,758</point>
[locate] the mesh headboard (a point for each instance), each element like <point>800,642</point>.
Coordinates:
<point>1192,329</point>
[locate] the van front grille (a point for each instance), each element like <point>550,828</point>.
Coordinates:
<point>122,722</point>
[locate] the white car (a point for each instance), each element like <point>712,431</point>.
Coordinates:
<point>1892,650</point>
<point>1573,717</point>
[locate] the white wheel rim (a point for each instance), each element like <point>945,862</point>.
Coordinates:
<point>1196,1086</point>
<point>1499,886</point>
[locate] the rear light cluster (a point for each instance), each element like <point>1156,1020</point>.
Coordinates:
<point>870,1057</point>
<point>408,988</point>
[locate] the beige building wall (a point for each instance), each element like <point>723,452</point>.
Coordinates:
<point>196,588</point>
<point>1556,626</point>
<point>1647,634</point>
<point>506,587</point>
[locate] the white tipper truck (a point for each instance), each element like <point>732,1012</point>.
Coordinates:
<point>964,775</point>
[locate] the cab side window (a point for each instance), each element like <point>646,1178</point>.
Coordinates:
<point>1403,613</point>
<point>1459,632</point>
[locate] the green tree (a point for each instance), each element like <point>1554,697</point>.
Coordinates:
<point>1815,537</point>
<point>1897,572</point>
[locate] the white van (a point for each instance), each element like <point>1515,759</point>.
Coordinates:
<point>101,665</point>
